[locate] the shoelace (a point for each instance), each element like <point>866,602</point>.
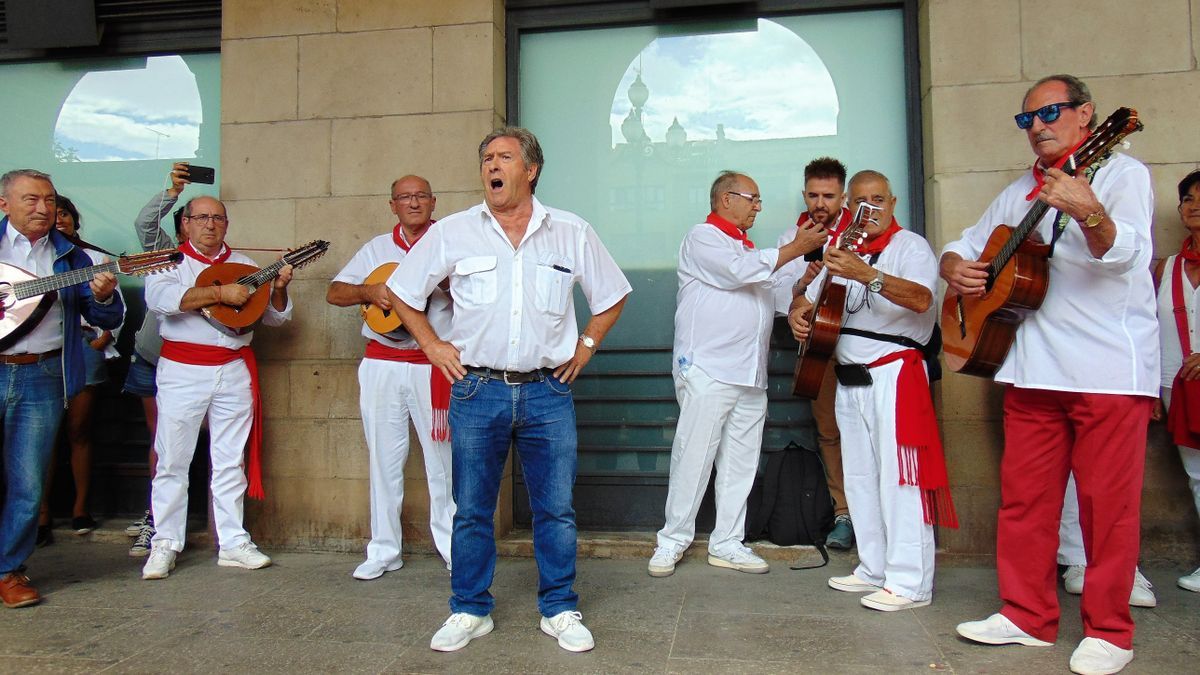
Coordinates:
<point>462,620</point>
<point>144,536</point>
<point>565,620</point>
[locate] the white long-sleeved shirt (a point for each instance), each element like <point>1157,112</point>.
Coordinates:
<point>36,258</point>
<point>513,308</point>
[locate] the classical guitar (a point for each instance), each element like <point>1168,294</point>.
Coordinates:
<point>827,312</point>
<point>977,332</point>
<point>237,320</point>
<point>383,321</point>
<point>25,298</point>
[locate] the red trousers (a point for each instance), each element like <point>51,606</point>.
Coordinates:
<point>1102,438</point>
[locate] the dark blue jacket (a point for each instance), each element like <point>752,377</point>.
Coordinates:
<point>77,301</point>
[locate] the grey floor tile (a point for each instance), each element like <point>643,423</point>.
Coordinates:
<point>199,653</point>
<point>35,665</point>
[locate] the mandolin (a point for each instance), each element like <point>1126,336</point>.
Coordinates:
<point>978,331</point>
<point>827,313</point>
<point>386,322</point>
<point>25,298</point>
<point>237,320</point>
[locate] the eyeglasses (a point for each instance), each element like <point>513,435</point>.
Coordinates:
<point>409,196</point>
<point>203,219</point>
<point>755,200</point>
<point>1047,114</point>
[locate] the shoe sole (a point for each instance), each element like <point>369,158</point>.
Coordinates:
<point>845,588</point>
<point>838,546</point>
<point>221,562</point>
<point>164,575</point>
<point>482,630</point>
<point>1148,604</point>
<point>23,603</point>
<point>388,568</point>
<point>139,553</point>
<point>721,562</point>
<point>1023,641</point>
<point>1193,589</point>
<point>660,572</point>
<point>881,607</point>
<point>549,630</point>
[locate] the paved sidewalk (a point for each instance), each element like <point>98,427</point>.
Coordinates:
<point>306,614</point>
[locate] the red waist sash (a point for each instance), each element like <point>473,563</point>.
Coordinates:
<point>209,355</point>
<point>439,387</point>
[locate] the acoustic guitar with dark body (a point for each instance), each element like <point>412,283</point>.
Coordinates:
<point>827,313</point>
<point>978,331</point>
<point>237,320</point>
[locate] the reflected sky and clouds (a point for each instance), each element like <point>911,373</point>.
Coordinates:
<point>762,84</point>
<point>120,115</point>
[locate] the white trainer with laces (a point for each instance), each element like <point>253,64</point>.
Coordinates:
<point>1190,582</point>
<point>460,629</point>
<point>1142,594</point>
<point>1094,656</point>
<point>245,555</point>
<point>998,630</point>
<point>373,569</point>
<point>568,627</point>
<point>662,563</point>
<point>741,559</point>
<point>1073,579</point>
<point>160,563</point>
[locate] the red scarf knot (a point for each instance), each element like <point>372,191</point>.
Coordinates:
<point>730,229</point>
<point>398,236</point>
<point>1188,250</point>
<point>190,251</point>
<point>876,245</point>
<point>211,355</point>
<point>439,386</point>
<point>1039,173</point>
<point>918,445</point>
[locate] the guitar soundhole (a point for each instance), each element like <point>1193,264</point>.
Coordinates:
<point>387,313</point>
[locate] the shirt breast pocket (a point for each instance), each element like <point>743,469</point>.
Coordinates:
<point>554,282</point>
<point>474,281</point>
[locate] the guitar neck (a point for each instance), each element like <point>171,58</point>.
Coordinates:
<point>264,276</point>
<point>34,287</point>
<point>1028,224</point>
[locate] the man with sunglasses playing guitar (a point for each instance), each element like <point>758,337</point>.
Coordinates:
<point>397,383</point>
<point>1081,380</point>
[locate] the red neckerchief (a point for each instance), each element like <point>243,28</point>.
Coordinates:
<point>211,355</point>
<point>730,229</point>
<point>399,238</point>
<point>876,245</point>
<point>1039,174</point>
<point>439,386</point>
<point>918,446</point>
<point>1188,251</point>
<point>842,221</point>
<point>190,251</point>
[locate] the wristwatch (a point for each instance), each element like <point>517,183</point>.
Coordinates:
<point>876,284</point>
<point>588,342</point>
<point>1093,219</point>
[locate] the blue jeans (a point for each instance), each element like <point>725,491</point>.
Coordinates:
<point>538,418</point>
<point>33,408</point>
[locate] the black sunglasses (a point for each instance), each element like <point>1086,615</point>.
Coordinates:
<point>1047,113</point>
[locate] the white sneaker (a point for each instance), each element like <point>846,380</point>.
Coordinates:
<point>1142,594</point>
<point>1073,579</point>
<point>998,630</point>
<point>852,584</point>
<point>662,563</point>
<point>568,627</point>
<point>246,556</point>
<point>160,563</point>
<point>1094,656</point>
<point>373,569</point>
<point>887,601</point>
<point>1190,582</point>
<point>460,629</point>
<point>741,559</point>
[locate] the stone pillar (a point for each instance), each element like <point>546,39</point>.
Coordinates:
<point>324,103</point>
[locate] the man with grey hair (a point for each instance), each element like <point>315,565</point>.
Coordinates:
<point>512,351</point>
<point>1062,414</point>
<point>723,317</point>
<point>42,365</point>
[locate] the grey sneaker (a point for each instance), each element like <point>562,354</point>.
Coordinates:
<point>568,627</point>
<point>160,564</point>
<point>246,556</point>
<point>662,563</point>
<point>458,630</point>
<point>842,535</point>
<point>741,559</point>
<point>141,545</point>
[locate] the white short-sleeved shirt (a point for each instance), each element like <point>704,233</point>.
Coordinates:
<point>1096,330</point>
<point>725,307</point>
<point>907,256</point>
<point>513,309</point>
<point>1168,332</point>
<point>379,251</point>
<point>36,258</point>
<point>165,290</point>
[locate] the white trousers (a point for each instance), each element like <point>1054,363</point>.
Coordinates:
<point>895,544</point>
<point>390,394</point>
<point>187,393</point>
<point>1070,536</point>
<point>722,424</point>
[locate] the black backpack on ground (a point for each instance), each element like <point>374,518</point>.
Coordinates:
<point>790,502</point>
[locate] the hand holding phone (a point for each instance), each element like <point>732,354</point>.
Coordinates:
<point>201,174</point>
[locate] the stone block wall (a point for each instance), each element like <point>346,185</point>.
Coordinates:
<point>978,57</point>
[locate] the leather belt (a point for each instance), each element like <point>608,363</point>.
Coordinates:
<point>26,359</point>
<point>510,376</point>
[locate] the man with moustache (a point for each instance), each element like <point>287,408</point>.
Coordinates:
<point>205,371</point>
<point>723,318</point>
<point>1062,413</point>
<point>512,350</point>
<point>396,383</point>
<point>824,196</point>
<point>43,369</point>
<point>896,482</point>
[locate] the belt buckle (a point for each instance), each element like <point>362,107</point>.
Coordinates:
<point>505,376</point>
